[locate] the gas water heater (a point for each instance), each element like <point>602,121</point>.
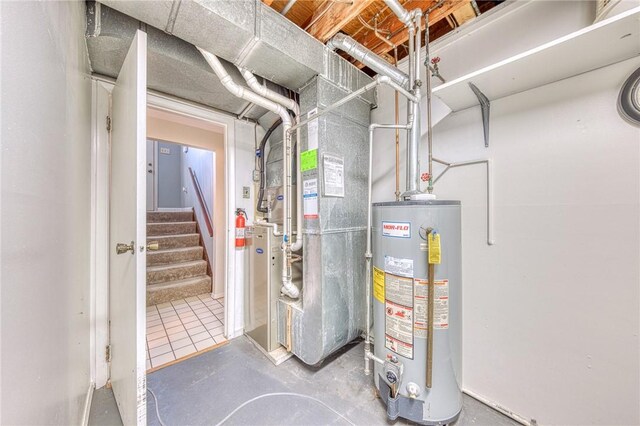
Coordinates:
<point>415,384</point>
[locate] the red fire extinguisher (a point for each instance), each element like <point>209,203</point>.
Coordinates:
<point>240,228</point>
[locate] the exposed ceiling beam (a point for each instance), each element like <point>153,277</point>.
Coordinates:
<point>337,17</point>
<point>400,35</point>
<point>268,2</point>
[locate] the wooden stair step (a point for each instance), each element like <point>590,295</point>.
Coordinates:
<point>178,289</point>
<point>175,241</point>
<point>175,271</point>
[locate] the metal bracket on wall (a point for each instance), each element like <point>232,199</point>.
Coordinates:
<point>485,107</point>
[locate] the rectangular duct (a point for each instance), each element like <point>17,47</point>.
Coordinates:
<point>248,34</point>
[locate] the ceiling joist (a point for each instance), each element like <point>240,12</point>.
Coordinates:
<point>336,17</point>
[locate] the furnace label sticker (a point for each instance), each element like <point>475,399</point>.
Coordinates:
<point>399,329</point>
<point>309,160</point>
<point>378,284</point>
<point>396,229</point>
<point>310,197</point>
<point>312,130</point>
<point>421,306</point>
<point>398,266</point>
<point>333,176</point>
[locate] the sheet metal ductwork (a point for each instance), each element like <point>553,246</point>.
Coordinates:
<point>175,67</point>
<point>246,33</point>
<point>331,311</point>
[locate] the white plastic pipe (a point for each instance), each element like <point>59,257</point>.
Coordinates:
<point>288,287</point>
<point>293,106</point>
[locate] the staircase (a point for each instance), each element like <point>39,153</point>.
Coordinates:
<point>178,269</point>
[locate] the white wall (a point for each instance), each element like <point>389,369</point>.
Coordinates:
<point>45,200</point>
<point>551,319</point>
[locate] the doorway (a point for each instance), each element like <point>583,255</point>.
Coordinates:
<point>185,298</point>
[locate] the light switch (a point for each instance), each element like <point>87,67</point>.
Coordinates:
<point>245,192</point>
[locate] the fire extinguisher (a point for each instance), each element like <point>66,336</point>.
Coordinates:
<point>241,217</point>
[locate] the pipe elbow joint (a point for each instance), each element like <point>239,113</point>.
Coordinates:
<point>289,289</point>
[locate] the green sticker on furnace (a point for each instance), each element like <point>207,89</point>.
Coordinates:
<point>309,160</point>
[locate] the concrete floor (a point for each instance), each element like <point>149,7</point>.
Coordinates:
<point>206,388</point>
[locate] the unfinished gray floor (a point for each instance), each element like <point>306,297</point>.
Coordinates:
<point>206,388</point>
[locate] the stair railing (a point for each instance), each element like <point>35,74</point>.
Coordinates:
<point>203,204</point>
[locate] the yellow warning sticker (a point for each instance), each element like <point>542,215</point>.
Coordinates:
<point>434,249</point>
<point>378,284</point>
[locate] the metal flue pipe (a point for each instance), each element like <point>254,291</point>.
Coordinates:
<point>288,287</point>
<point>293,106</point>
<point>367,57</point>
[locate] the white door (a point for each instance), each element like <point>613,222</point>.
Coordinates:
<point>127,270</point>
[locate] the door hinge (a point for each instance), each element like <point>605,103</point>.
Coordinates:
<point>107,355</point>
<point>108,123</point>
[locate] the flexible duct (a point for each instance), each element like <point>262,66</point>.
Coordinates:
<point>293,106</point>
<point>367,57</point>
<point>288,287</point>
<point>263,144</point>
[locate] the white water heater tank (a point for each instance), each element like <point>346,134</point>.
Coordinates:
<point>400,310</point>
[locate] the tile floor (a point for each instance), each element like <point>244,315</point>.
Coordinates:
<point>183,327</point>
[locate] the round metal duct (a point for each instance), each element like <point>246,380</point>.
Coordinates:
<point>629,99</point>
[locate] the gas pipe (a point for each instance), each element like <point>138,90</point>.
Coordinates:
<point>240,228</point>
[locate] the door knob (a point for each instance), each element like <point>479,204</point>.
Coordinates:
<point>123,248</point>
<point>153,246</point>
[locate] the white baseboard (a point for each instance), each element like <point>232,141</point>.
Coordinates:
<point>87,404</point>
<point>518,418</point>
<point>217,295</point>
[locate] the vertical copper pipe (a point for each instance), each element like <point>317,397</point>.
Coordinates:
<point>395,56</point>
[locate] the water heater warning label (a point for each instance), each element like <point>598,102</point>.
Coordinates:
<point>398,294</point>
<point>441,306</point>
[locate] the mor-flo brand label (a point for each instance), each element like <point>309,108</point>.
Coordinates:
<point>396,229</point>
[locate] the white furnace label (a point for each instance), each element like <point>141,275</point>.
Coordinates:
<point>396,229</point>
<point>398,294</point>
<point>333,176</point>
<point>421,306</point>
<point>397,266</point>
<point>310,196</point>
<point>312,130</point>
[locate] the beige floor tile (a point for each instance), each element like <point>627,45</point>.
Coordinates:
<point>153,323</point>
<point>204,344</point>
<point>162,359</point>
<point>178,336</point>
<point>211,320</point>
<point>168,315</point>
<point>174,330</point>
<point>156,335</point>
<point>203,310</point>
<point>157,342</point>
<point>153,317</point>
<point>219,338</point>
<point>172,324</point>
<point>213,325</point>
<point>183,310</point>
<point>187,350</point>
<point>181,343</point>
<point>205,315</point>
<point>192,324</point>
<point>154,328</point>
<point>192,299</point>
<point>196,330</point>
<point>163,305</point>
<point>177,303</point>
<point>216,330</point>
<point>159,350</point>
<point>200,336</point>
<point>187,316</point>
